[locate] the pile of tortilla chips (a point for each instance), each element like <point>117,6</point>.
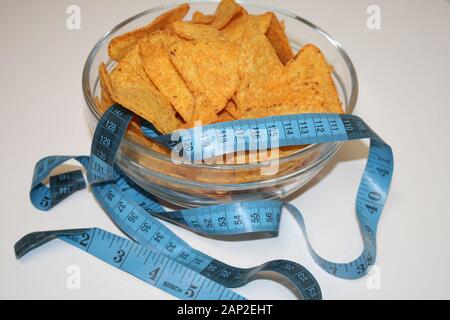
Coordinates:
<point>221,67</point>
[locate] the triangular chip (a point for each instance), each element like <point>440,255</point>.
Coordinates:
<point>277,37</point>
<point>305,86</point>
<point>209,68</point>
<point>134,90</point>
<point>106,88</point>
<point>259,69</point>
<point>225,11</point>
<point>163,38</point>
<point>203,112</point>
<point>105,81</point>
<point>199,17</point>
<point>162,73</point>
<point>264,20</point>
<point>134,132</point>
<point>194,31</point>
<point>266,111</point>
<point>235,29</point>
<point>310,82</point>
<point>119,45</point>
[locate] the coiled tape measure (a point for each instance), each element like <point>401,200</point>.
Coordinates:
<point>158,256</point>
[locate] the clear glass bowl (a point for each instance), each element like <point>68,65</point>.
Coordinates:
<point>189,185</point>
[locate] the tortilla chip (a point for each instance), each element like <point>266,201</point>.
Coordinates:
<point>134,90</point>
<point>225,11</point>
<point>194,31</point>
<point>106,88</point>
<point>234,30</point>
<point>264,20</point>
<point>259,70</point>
<point>162,38</point>
<point>99,105</point>
<point>310,83</point>
<point>134,132</point>
<point>305,86</point>
<point>105,81</point>
<point>266,111</point>
<point>162,73</point>
<point>104,102</point>
<point>277,37</point>
<point>119,45</point>
<point>209,68</point>
<point>203,112</point>
<point>199,17</point>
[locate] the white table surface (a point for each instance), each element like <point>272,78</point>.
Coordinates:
<point>403,70</point>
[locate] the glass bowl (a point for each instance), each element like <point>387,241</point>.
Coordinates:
<point>190,185</point>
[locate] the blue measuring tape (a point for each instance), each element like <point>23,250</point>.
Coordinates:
<point>158,256</point>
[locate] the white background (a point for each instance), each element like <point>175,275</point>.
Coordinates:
<point>403,71</point>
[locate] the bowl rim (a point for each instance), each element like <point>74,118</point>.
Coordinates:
<point>90,99</point>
